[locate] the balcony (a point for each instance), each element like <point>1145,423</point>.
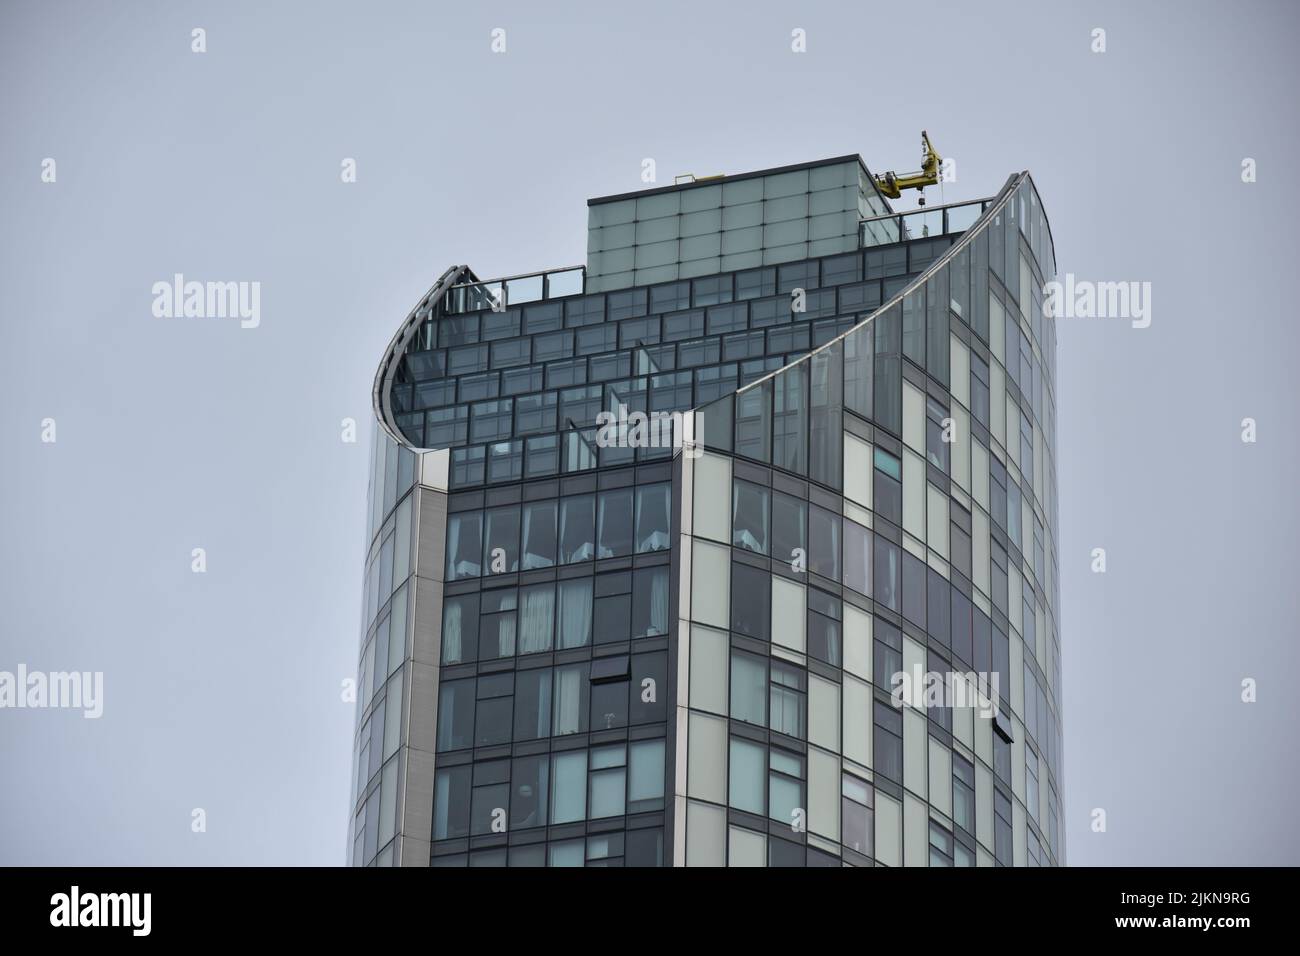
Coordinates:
<point>920,223</point>
<point>499,294</point>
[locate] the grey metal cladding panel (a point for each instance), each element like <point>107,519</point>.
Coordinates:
<point>417,816</point>
<point>422,732</point>
<point>430,554</point>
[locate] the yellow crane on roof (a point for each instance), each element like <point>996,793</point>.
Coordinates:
<point>892,185</point>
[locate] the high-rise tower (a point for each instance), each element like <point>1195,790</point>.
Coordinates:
<point>657,545</point>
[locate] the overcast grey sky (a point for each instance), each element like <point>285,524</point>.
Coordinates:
<point>222,689</point>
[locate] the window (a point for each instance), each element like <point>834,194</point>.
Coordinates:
<point>824,640</point>
<point>609,693</point>
<point>539,535</point>
<point>615,523</point>
<point>745,784</point>
<point>451,803</point>
<point>569,700</point>
<point>575,605</point>
<point>790,420</point>
<point>460,629</point>
<point>1002,850</point>
<point>613,607</point>
<point>608,782</point>
<point>937,451</point>
<point>789,528</point>
<point>652,518</point>
<point>824,543</point>
<point>913,589</point>
<point>536,618</point>
<point>491,795</point>
<point>979,389</point>
<point>501,548</point>
<point>940,846</point>
<point>785,786</point>
<point>568,788</point>
<point>497,630</point>
<point>749,519</point>
<point>577,524</point>
<point>464,546</point>
<point>888,654</point>
<point>533,704</point>
<point>857,557</point>
<point>649,678</point>
<point>788,700</point>
<point>456,715</point>
<point>748,688</point>
<point>751,611</point>
<point>963,794</point>
<point>1002,758</point>
<point>650,602</point>
<point>857,830</point>
<point>645,776</point>
<point>530,778</point>
<point>887,490</point>
<point>889,742</point>
<point>886,573</point>
<point>492,717</point>
<point>1031,783</point>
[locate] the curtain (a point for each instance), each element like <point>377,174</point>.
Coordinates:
<point>505,635</point>
<point>659,602</point>
<point>653,520</point>
<point>453,549</point>
<point>602,527</point>
<point>567,702</point>
<point>524,562</point>
<point>536,619</point>
<point>453,648</point>
<point>575,613</point>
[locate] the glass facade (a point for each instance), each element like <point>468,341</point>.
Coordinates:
<point>653,655</point>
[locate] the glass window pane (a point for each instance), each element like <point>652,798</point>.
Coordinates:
<point>749,689</point>
<point>645,785</point>
<point>575,606</point>
<point>460,629</point>
<point>464,545</point>
<point>569,700</point>
<point>533,704</point>
<point>577,529</point>
<point>615,523</point>
<point>747,768</point>
<point>501,546</point>
<point>536,618</point>
<point>569,786</point>
<point>652,518</point>
<point>539,535</point>
<point>650,602</point>
<point>749,521</point>
<point>530,781</point>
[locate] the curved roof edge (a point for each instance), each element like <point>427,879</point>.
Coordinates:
<point>1014,181</point>
<point>382,387</point>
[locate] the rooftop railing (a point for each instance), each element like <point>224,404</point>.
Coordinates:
<point>920,223</point>
<point>499,294</point>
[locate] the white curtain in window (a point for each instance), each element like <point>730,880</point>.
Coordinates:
<point>567,702</point>
<point>659,602</point>
<point>452,645</point>
<point>505,635</point>
<point>575,613</point>
<point>536,619</point>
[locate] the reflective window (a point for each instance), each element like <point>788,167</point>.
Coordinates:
<point>539,535</point>
<point>577,529</point>
<point>749,521</point>
<point>614,515</point>
<point>653,522</point>
<point>464,545</point>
